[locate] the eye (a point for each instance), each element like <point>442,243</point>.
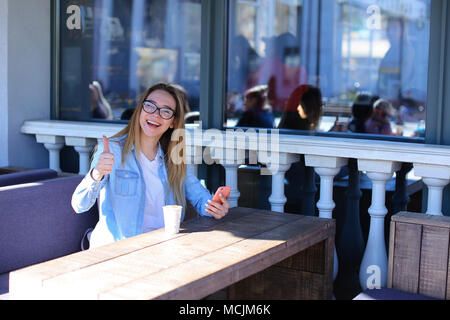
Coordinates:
<point>166,112</point>
<point>149,105</point>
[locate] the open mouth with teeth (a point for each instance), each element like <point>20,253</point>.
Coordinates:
<point>153,124</point>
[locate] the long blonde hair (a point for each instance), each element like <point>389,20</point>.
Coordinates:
<point>176,170</point>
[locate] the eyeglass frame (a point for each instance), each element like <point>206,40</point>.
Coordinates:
<point>157,109</point>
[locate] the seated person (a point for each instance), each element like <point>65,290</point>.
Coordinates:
<point>257,112</point>
<point>379,123</point>
<point>135,173</point>
<point>303,109</point>
<point>303,112</point>
<point>362,110</point>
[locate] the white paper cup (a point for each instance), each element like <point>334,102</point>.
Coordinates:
<point>172,218</point>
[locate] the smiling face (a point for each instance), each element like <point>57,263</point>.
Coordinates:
<point>153,125</point>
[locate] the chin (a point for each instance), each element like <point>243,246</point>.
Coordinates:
<point>152,132</point>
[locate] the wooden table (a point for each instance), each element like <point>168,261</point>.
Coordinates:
<point>252,253</point>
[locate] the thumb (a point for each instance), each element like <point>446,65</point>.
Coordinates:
<point>105,144</point>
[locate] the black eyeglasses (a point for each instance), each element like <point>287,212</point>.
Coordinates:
<point>165,113</point>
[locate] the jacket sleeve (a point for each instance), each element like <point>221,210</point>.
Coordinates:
<point>196,193</point>
<point>88,190</point>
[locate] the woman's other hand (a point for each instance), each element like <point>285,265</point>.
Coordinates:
<point>218,210</point>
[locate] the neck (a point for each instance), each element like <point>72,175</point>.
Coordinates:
<point>149,146</point>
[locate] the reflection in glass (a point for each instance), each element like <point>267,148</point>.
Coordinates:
<point>122,47</point>
<point>355,52</point>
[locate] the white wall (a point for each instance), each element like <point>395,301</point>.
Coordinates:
<point>3,83</point>
<point>27,87</point>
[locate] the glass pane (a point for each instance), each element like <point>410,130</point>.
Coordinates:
<point>328,65</point>
<point>113,50</point>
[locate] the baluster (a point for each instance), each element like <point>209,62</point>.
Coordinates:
<point>326,203</point>
<point>327,168</point>
<point>53,144</point>
<point>231,160</point>
<point>373,269</point>
<point>435,192</point>
<point>281,163</point>
<point>231,179</point>
<point>277,199</point>
<point>436,178</point>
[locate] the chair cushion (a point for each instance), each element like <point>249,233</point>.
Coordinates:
<point>27,176</point>
<point>390,294</point>
<point>37,222</point>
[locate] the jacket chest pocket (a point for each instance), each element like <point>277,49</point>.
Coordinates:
<point>126,183</point>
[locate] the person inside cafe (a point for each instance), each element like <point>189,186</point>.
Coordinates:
<point>258,112</point>
<point>140,169</point>
<point>362,110</point>
<point>380,123</point>
<point>303,111</point>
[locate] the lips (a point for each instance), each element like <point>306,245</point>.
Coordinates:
<point>153,123</point>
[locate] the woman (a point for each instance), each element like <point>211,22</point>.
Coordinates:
<point>303,112</point>
<point>303,109</point>
<point>138,171</point>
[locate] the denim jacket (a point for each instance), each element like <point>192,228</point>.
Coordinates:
<point>121,195</point>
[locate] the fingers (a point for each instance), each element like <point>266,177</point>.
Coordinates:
<point>105,144</point>
<point>214,212</point>
<point>105,162</point>
<point>217,210</point>
<point>225,202</point>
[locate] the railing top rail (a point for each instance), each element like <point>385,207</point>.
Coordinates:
<point>250,140</point>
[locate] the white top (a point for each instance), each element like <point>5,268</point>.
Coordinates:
<point>154,194</point>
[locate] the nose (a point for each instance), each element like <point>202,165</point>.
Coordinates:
<point>155,114</point>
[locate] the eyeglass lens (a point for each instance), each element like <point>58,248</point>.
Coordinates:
<point>165,113</point>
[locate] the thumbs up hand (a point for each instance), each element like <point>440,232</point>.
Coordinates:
<point>105,162</point>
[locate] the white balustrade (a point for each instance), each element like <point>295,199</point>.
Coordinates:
<point>379,159</point>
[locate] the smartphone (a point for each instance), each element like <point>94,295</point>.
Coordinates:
<point>225,191</point>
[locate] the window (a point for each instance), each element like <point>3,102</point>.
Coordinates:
<point>112,51</point>
<point>356,66</point>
